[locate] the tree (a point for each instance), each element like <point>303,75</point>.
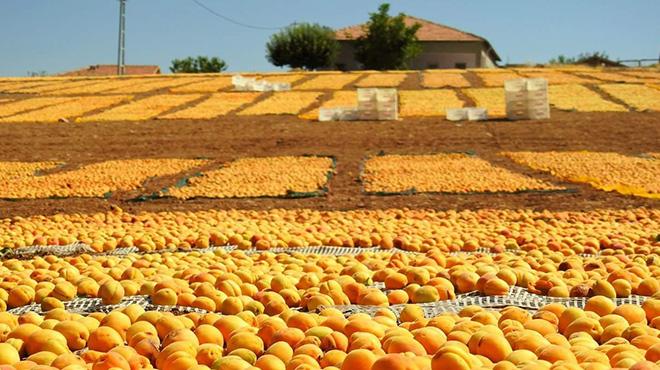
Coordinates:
<point>200,64</point>
<point>387,42</point>
<point>304,45</point>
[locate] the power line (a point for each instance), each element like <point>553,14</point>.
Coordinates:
<point>230,20</point>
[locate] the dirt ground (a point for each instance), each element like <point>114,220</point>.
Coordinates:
<point>232,137</point>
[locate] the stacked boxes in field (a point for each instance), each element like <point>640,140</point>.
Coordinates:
<point>527,98</point>
<point>374,104</point>
<point>378,104</point>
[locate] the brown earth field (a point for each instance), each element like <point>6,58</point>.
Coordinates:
<point>232,137</point>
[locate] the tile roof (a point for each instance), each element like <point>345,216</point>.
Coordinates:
<point>429,31</point>
<point>111,70</point>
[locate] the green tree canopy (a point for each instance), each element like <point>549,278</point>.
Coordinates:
<point>387,42</point>
<point>200,64</point>
<point>303,45</point>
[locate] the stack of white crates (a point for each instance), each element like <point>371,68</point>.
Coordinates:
<point>467,114</point>
<point>527,98</point>
<point>378,104</point>
<point>242,83</point>
<point>338,114</point>
<point>252,84</point>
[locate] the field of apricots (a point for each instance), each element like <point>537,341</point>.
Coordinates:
<point>143,98</point>
<point>170,222</point>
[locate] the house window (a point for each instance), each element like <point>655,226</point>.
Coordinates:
<point>460,65</point>
<point>432,66</point>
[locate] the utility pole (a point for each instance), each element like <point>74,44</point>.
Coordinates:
<point>122,37</point>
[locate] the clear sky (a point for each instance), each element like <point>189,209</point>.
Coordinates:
<point>60,35</point>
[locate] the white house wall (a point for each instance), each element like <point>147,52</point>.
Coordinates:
<point>486,62</point>
<point>435,54</point>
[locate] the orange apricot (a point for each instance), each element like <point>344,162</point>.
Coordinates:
<point>601,305</point>
<point>651,308</point>
<point>396,281</point>
<point>8,354</point>
<point>632,313</point>
<point>401,344</point>
<point>281,350</point>
<point>554,353</point>
<point>411,312</point>
<point>269,362</point>
<point>358,359</point>
<point>46,340</point>
<point>180,335</point>
<point>76,334</point>
<point>209,334</point>
<point>248,341</point>
<point>454,355</point>
<point>395,361</point>
<point>111,360</point>
<point>208,353</point>
<point>111,292</point>
<point>103,339</point>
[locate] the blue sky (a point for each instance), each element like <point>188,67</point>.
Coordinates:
<point>60,35</point>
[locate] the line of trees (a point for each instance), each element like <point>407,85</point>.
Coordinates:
<point>386,43</point>
<point>200,64</point>
<point>582,57</point>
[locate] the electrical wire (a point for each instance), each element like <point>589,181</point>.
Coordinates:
<point>230,20</point>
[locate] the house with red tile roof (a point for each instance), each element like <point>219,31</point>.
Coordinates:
<point>442,47</point>
<point>111,70</point>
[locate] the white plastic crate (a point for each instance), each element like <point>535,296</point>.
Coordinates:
<point>365,94</point>
<point>338,114</point>
<point>242,83</point>
<point>537,84</point>
<point>388,115</point>
<point>515,96</point>
<point>261,86</point>
<point>238,80</point>
<point>457,114</point>
<point>527,113</point>
<point>537,103</point>
<point>386,106</point>
<point>368,105</point>
<point>539,113</point>
<point>516,85</point>
<point>281,86</point>
<point>477,114</point>
<point>386,95</point>
<point>470,113</point>
<point>516,104</point>
<point>368,115</point>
